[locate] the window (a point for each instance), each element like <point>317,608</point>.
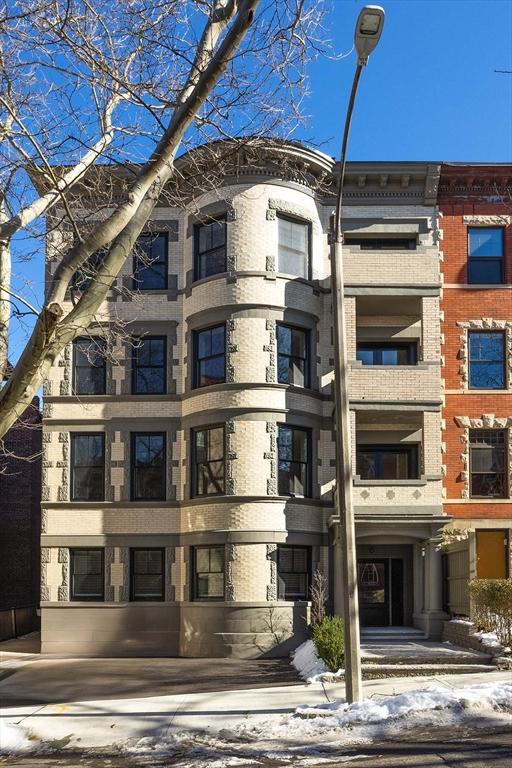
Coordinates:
<point>147,574</point>
<point>210,248</point>
<point>209,465</point>
<point>382,243</point>
<point>387,462</point>
<point>148,466</point>
<point>293,571</point>
<point>293,250</point>
<point>87,574</point>
<point>150,263</point>
<point>88,466</point>
<point>485,250</point>
<point>293,447</point>
<point>487,360</point>
<point>488,463</point>
<point>292,356</point>
<point>210,356</point>
<point>89,367</point>
<point>85,274</point>
<point>208,576</point>
<point>387,353</point>
<point>148,366</point>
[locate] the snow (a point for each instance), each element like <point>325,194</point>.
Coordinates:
<point>310,667</point>
<point>467,622</point>
<point>488,638</point>
<point>14,739</point>
<point>386,716</point>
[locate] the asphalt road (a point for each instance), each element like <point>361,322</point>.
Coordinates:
<point>464,748</point>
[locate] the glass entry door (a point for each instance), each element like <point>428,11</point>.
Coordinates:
<point>380,585</point>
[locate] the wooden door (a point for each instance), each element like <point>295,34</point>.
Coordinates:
<point>491,554</point>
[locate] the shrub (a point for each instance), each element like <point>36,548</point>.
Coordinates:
<point>329,641</point>
<point>491,607</point>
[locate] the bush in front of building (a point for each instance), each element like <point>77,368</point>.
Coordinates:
<point>491,607</point>
<point>329,640</point>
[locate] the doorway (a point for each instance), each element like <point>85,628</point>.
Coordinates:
<point>380,583</point>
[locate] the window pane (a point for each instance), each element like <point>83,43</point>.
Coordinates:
<point>217,340</point>
<point>202,560</point>
<point>148,466</point>
<point>87,579</point>
<point>485,271</point>
<point>486,346</point>
<point>293,248</point>
<point>216,443</point>
<point>210,246</point>
<point>365,356</point>
<point>487,459</point>
<point>284,339</point>
<point>486,241</point>
<point>387,462</point>
<point>209,572</point>
<point>146,586</point>
<point>293,572</point>
<point>150,262</point>
<point>149,374</point>
<point>88,467</point>
<point>89,366</point>
<point>211,371</point>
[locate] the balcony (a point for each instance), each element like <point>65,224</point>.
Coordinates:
<point>419,267</point>
<point>396,472</point>
<point>395,353</point>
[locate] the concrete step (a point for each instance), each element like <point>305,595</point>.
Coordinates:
<point>431,659</point>
<point>391,633</point>
<point>376,671</point>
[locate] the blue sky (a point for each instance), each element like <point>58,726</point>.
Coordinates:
<point>429,91</point>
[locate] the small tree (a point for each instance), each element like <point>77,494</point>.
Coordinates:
<point>329,640</point>
<point>318,593</point>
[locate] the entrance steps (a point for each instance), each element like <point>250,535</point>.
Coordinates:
<point>369,634</point>
<point>404,652</point>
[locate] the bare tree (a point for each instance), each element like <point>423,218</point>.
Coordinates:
<point>318,593</point>
<point>84,83</point>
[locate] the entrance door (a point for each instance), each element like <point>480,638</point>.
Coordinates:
<point>491,554</point>
<point>373,586</point>
<point>381,588</point>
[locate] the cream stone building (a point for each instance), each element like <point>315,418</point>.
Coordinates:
<point>189,457</point>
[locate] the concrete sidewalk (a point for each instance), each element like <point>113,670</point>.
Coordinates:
<point>85,724</point>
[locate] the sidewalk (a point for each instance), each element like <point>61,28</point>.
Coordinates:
<point>101,723</point>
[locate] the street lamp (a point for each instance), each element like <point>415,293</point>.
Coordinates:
<point>367,34</point>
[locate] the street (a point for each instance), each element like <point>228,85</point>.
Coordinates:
<point>460,748</point>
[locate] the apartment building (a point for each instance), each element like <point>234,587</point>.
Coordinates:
<point>189,449</point>
<point>475,204</point>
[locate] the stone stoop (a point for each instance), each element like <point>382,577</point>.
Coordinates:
<point>409,654</point>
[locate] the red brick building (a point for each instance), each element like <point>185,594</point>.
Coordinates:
<point>475,203</point>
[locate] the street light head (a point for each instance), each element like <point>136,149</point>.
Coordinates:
<point>370,23</point>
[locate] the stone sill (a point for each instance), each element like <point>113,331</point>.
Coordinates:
<point>423,480</point>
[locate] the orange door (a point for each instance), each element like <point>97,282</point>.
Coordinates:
<point>491,551</point>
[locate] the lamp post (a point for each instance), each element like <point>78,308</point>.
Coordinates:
<point>367,34</point>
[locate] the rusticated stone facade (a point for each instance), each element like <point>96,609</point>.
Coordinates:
<point>388,294</point>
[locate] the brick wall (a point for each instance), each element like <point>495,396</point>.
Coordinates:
<point>464,306</point>
<point>20,511</point>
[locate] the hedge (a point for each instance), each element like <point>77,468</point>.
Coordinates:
<point>491,607</point>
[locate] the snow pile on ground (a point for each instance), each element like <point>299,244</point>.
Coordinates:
<point>490,639</point>
<point>310,667</point>
<point>14,739</point>
<point>467,622</point>
<point>486,696</point>
<point>386,716</point>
